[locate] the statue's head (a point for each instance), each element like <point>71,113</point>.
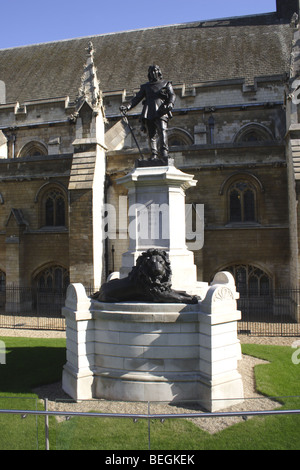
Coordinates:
<point>154,73</point>
<point>153,270</point>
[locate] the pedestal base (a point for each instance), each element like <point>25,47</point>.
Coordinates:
<point>79,385</point>
<point>154,352</point>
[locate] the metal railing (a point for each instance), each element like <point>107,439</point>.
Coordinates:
<point>148,416</point>
<point>276,313</point>
<point>31,308</point>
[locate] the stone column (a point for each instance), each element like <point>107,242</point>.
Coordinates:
<point>220,384</point>
<point>78,376</point>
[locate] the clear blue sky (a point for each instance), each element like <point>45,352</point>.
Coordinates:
<point>26,22</point>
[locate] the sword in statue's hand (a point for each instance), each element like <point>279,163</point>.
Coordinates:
<point>124,110</point>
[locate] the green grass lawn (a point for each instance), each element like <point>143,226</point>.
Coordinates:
<point>30,362</point>
<point>33,362</point>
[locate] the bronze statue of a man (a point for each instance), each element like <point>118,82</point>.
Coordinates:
<point>158,101</point>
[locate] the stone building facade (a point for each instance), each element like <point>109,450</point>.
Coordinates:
<point>235,126</point>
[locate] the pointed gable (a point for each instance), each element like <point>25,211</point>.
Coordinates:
<point>16,218</point>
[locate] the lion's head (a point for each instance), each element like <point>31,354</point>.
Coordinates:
<point>152,270</point>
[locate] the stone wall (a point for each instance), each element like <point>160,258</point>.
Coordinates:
<point>23,184</point>
<point>209,128</point>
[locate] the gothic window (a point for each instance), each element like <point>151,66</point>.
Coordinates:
<point>53,278</point>
<point>55,210</point>
<point>179,137</point>
<point>242,202</point>
<point>52,205</point>
<point>252,137</point>
<point>33,149</point>
<point>243,197</point>
<point>254,132</point>
<point>176,141</point>
<point>250,280</point>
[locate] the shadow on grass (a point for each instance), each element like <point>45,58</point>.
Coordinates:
<point>31,362</point>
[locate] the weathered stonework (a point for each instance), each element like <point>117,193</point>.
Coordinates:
<point>237,121</point>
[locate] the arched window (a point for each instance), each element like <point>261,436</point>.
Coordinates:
<point>52,205</point>
<point>176,141</point>
<point>33,149</point>
<point>51,285</point>
<point>55,208</point>
<point>254,132</point>
<point>252,136</point>
<point>250,280</point>
<point>243,197</point>
<point>178,137</point>
<point>242,202</point>
<point>53,278</point>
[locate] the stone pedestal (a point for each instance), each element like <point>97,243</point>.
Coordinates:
<point>78,373</point>
<point>148,351</point>
<point>157,220</point>
<point>155,352</point>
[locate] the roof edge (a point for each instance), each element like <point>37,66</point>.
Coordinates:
<point>210,20</point>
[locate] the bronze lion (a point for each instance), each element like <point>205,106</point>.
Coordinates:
<point>148,281</point>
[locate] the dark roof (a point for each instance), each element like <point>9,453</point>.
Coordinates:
<point>234,48</point>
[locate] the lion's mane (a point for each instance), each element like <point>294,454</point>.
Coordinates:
<point>142,274</point>
<point>144,283</point>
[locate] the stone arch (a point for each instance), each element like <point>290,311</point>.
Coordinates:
<point>46,186</point>
<point>253,132</point>
<point>179,137</point>
<point>33,148</point>
<point>241,175</point>
<point>52,194</point>
<point>243,198</point>
<point>50,283</point>
<point>251,279</point>
<point>52,276</point>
